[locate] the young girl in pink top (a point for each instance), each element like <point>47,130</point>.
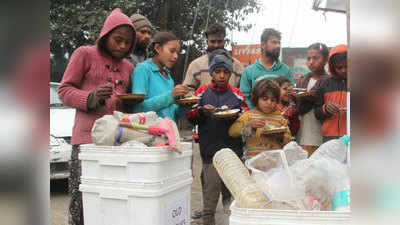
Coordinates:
<point>94,76</point>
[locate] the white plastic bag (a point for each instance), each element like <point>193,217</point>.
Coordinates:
<point>294,152</point>
<point>319,176</point>
<point>271,172</point>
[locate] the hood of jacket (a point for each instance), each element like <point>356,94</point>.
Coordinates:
<point>116,19</point>
<point>335,50</point>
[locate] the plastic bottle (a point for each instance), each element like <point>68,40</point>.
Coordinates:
<point>341,198</point>
<point>335,149</point>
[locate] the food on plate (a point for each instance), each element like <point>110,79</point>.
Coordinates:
<point>188,100</point>
<point>224,107</point>
<point>272,129</point>
<point>227,113</point>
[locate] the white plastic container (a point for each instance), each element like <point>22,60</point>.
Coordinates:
<point>130,164</point>
<point>123,203</point>
<point>242,216</point>
<point>335,149</point>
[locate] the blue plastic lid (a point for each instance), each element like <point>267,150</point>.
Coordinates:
<point>345,139</point>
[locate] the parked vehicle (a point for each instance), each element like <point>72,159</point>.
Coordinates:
<point>61,124</point>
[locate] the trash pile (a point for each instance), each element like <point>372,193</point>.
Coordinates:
<point>289,180</point>
<point>136,130</point>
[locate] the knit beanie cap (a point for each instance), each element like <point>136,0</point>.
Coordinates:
<point>220,60</point>
<point>140,21</point>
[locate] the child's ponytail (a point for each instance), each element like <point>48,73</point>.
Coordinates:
<point>160,38</point>
<point>151,49</point>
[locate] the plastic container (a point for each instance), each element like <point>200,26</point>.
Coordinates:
<point>335,149</point>
<point>134,164</point>
<point>237,179</point>
<point>129,203</point>
<point>341,198</point>
<point>243,216</point>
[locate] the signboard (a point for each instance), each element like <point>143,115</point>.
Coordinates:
<point>246,54</point>
<point>300,68</point>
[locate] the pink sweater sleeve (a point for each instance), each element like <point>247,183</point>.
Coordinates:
<point>70,91</point>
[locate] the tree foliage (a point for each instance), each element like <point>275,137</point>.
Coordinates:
<point>78,22</point>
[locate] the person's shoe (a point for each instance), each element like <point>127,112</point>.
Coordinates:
<point>196,214</point>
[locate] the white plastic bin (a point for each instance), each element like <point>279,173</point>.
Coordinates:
<point>128,203</point>
<point>242,216</point>
<point>130,164</point>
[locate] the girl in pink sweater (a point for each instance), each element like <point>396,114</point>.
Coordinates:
<point>94,75</point>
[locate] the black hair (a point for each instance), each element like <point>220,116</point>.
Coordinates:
<point>281,80</point>
<point>160,38</point>
<point>217,28</point>
<point>336,58</point>
<point>322,48</point>
<point>269,32</point>
<point>262,88</point>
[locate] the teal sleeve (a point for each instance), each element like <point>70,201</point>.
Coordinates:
<point>140,80</point>
<point>180,111</point>
<point>141,84</point>
<point>290,75</point>
<point>245,87</point>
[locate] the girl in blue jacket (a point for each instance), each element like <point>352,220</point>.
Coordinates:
<point>153,78</point>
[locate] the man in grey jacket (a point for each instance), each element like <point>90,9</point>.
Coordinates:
<point>197,73</point>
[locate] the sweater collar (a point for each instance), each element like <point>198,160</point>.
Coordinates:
<point>275,66</point>
<point>155,68</point>
<point>214,87</point>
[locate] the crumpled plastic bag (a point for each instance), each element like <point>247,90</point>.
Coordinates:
<point>106,130</point>
<point>289,178</point>
<point>294,152</point>
<point>271,172</point>
<point>319,176</point>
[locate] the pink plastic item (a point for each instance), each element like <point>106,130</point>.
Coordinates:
<point>167,124</point>
<point>156,130</point>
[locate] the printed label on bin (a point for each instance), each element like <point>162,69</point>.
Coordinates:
<point>340,199</point>
<point>176,213</point>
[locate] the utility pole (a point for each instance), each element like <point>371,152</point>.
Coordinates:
<point>348,42</point>
<point>164,15</point>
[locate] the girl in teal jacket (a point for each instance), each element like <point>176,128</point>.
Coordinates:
<point>152,77</point>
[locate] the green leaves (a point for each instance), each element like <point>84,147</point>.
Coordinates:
<point>75,23</point>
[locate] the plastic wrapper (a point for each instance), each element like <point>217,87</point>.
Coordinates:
<point>294,152</point>
<point>271,172</point>
<point>107,130</point>
<point>320,178</point>
<point>147,118</point>
<point>334,149</point>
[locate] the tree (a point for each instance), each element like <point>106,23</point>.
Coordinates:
<point>78,22</point>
